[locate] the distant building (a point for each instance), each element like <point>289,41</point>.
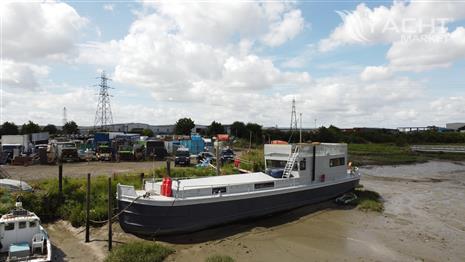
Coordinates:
<point>369,129</point>
<point>157,129</point>
<point>287,129</point>
<point>455,126</point>
<point>426,128</point>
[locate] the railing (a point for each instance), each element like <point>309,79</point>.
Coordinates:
<point>438,148</point>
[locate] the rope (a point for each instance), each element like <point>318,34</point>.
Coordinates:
<point>119,213</point>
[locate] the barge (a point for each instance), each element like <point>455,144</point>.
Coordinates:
<point>296,175</point>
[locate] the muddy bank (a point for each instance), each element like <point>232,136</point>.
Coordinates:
<point>422,221</point>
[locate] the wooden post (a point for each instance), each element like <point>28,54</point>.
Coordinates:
<point>142,179</point>
<point>88,209</point>
<point>110,214</point>
<point>168,168</point>
<point>60,179</point>
<point>218,158</point>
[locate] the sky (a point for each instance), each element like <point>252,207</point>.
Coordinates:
<point>346,63</point>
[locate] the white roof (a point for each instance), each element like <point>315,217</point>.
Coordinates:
<point>225,180</point>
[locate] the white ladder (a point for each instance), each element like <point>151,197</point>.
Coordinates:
<point>291,162</point>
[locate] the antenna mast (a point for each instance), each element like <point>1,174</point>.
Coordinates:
<point>103,115</point>
<point>65,120</point>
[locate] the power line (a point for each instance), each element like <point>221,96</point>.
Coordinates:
<point>103,115</point>
<point>293,126</point>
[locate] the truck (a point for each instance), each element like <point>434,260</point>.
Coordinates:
<point>103,152</point>
<point>15,145</point>
<point>155,149</point>
<point>101,138</point>
<point>67,151</point>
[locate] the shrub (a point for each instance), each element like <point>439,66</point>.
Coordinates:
<point>369,200</point>
<point>139,251</point>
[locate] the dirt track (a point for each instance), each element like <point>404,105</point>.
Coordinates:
<point>80,169</point>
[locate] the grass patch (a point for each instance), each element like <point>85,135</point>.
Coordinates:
<point>219,258</point>
<point>391,154</point>
<point>139,251</point>
<point>383,154</point>
<point>253,160</point>
<point>45,201</point>
<point>368,200</point>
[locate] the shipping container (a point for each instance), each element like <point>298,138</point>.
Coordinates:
<point>195,144</point>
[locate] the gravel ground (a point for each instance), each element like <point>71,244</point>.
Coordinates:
<point>79,169</point>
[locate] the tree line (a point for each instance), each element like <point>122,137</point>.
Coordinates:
<point>255,133</point>
<point>10,128</point>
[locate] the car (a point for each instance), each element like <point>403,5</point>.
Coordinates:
<point>227,155</point>
<point>182,157</point>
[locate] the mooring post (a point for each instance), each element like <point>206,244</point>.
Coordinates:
<point>110,214</point>
<point>88,208</point>
<point>60,179</point>
<point>168,168</point>
<point>142,179</point>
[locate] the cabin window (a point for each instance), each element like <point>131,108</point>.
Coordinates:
<point>337,162</point>
<point>276,164</point>
<point>9,226</point>
<point>22,224</point>
<point>302,164</point>
<point>217,190</point>
<point>32,224</point>
<point>264,185</point>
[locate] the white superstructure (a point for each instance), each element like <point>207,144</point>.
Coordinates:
<point>23,238</point>
<point>330,167</point>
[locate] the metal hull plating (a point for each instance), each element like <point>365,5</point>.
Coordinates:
<point>162,220</point>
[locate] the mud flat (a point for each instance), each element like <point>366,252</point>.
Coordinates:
<point>423,221</point>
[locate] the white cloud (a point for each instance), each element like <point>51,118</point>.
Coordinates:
<point>33,30</point>
<point>375,73</point>
<point>280,32</point>
<point>177,51</point>
<point>21,75</point>
<point>35,34</point>
<point>450,108</point>
<point>43,106</point>
<point>217,23</point>
<point>417,31</point>
<point>420,55</point>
